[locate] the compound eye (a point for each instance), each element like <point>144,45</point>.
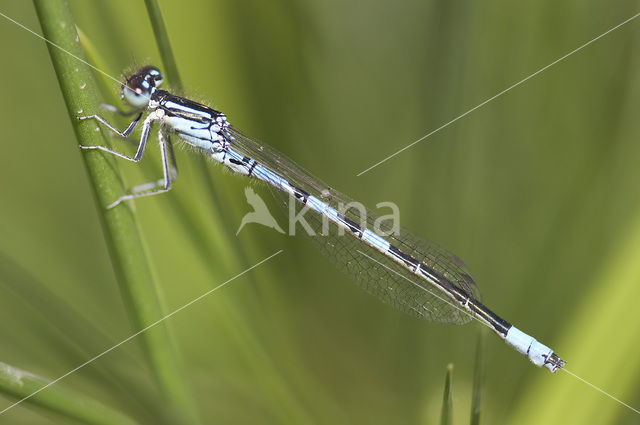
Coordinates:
<point>137,89</point>
<point>154,76</point>
<point>138,97</point>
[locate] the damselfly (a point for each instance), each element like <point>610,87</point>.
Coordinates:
<point>413,275</point>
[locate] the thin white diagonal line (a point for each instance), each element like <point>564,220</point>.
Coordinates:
<point>500,94</point>
<point>61,48</point>
<point>602,391</point>
<point>129,338</point>
<point>476,318</point>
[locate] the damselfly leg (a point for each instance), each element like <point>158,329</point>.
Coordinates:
<point>124,134</point>
<point>169,168</point>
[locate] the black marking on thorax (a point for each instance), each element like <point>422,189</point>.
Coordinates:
<point>198,111</point>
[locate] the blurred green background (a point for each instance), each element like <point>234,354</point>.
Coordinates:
<point>537,191</point>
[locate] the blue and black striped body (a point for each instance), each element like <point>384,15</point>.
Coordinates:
<point>415,276</point>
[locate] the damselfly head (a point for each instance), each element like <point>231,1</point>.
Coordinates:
<point>138,88</point>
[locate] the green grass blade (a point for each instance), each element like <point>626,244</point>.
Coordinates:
<point>125,244</point>
<point>446,417</point>
<point>96,60</point>
<point>478,377</point>
<point>164,46</point>
<point>229,253</point>
<point>228,257</point>
<point>19,287</point>
<point>71,404</point>
<point>170,68</point>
